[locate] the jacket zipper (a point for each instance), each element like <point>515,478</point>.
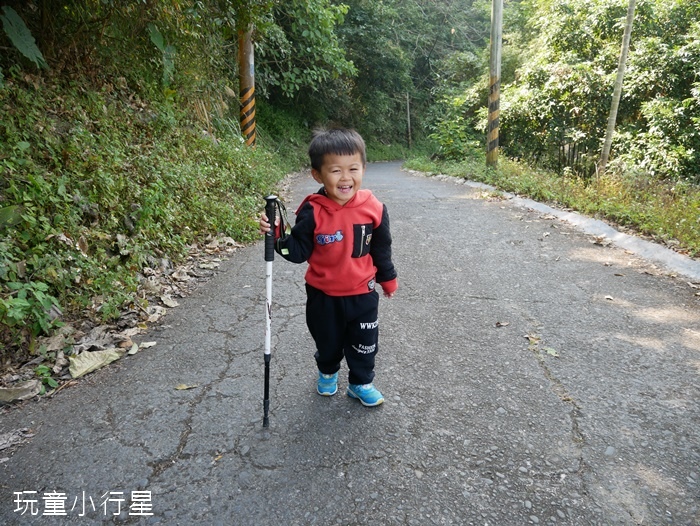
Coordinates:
<point>362,240</point>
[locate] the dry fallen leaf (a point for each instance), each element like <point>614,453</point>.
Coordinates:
<point>55,343</point>
<point>502,323</point>
<point>82,245</point>
<point>168,301</point>
<point>155,312</point>
<point>125,343</point>
<point>88,362</point>
<point>180,275</point>
<point>15,437</point>
<point>534,338</point>
<point>184,387</point>
<point>20,391</point>
<point>99,338</point>
<point>128,333</point>
<point>61,362</point>
<point>609,298</point>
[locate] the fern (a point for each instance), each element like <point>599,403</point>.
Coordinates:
<point>21,37</point>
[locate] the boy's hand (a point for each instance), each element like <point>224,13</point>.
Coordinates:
<point>389,288</point>
<point>265,225</point>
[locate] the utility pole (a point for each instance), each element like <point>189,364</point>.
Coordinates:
<point>617,91</point>
<point>246,78</point>
<point>494,82</point>
<point>408,119</point>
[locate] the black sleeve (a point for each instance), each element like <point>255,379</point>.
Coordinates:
<point>297,246</point>
<point>380,250</point>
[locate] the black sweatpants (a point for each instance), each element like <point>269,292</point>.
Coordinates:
<point>344,326</point>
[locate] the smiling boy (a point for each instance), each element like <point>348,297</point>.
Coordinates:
<point>343,233</point>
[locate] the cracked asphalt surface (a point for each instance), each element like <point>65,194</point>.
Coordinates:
<point>531,377</point>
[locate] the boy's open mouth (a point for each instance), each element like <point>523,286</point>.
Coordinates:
<point>345,188</point>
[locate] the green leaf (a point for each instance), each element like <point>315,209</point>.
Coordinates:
<point>10,216</point>
<point>156,37</point>
<point>21,37</point>
<point>168,64</point>
<point>43,370</point>
<point>551,352</point>
<point>14,285</point>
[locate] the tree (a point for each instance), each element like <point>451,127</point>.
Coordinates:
<point>618,87</point>
<point>299,48</point>
<point>400,47</point>
<point>560,60</point>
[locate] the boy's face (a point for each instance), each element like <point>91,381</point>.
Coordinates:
<point>341,176</point>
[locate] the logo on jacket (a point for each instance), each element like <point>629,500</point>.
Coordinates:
<point>327,239</point>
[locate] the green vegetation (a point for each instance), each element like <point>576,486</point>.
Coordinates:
<point>560,58</point>
<point>104,187</point>
<point>120,143</point>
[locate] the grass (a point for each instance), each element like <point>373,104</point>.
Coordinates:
<point>667,212</point>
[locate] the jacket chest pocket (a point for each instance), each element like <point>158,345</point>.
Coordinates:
<point>362,239</point>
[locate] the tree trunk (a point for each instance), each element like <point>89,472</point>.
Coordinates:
<point>618,88</point>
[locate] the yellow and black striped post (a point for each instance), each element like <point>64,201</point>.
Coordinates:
<point>248,115</point>
<point>494,110</point>
<point>246,66</point>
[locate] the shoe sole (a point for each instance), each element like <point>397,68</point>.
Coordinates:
<point>326,393</point>
<point>375,404</point>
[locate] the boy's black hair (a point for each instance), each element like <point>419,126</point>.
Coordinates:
<point>338,141</point>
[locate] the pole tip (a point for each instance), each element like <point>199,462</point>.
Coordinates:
<point>271,197</point>
<point>266,422</point>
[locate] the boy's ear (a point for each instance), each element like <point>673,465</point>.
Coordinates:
<point>316,175</point>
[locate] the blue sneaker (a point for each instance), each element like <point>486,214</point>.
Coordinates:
<point>367,394</point>
<point>327,384</point>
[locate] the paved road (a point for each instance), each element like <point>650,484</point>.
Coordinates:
<point>531,377</point>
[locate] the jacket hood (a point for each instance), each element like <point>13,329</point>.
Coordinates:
<point>328,204</point>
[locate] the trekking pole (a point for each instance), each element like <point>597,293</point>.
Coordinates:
<point>269,258</point>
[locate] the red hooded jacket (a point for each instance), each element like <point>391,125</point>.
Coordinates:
<point>348,247</point>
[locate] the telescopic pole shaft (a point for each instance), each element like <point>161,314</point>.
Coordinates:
<point>269,258</point>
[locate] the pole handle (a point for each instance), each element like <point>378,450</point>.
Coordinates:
<point>270,236</point>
